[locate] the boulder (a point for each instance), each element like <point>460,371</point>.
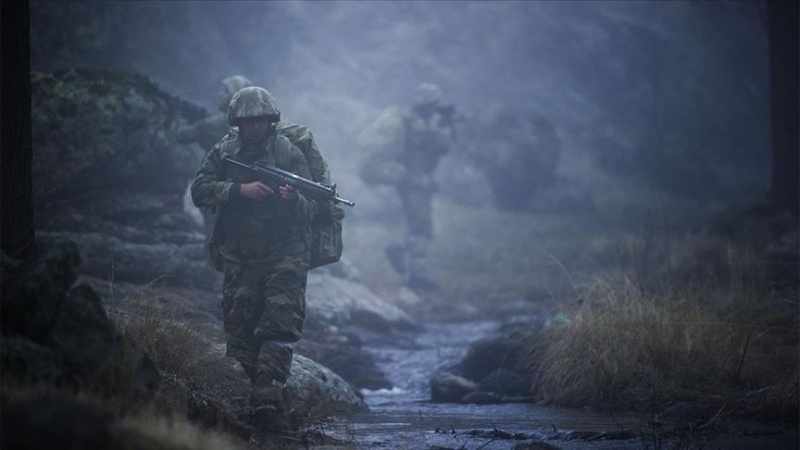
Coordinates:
<point>492,371</point>
<point>506,383</point>
<point>60,335</point>
<point>503,351</point>
<point>109,175</point>
<point>449,387</point>
<point>318,392</point>
<point>334,301</point>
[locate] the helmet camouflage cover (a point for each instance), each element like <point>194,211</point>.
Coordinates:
<point>427,94</point>
<point>252,102</point>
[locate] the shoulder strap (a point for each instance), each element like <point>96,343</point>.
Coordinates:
<point>225,148</point>
<point>282,155</point>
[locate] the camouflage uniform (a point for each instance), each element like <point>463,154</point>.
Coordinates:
<point>301,136</point>
<point>265,257</point>
<point>209,131</point>
<point>404,148</point>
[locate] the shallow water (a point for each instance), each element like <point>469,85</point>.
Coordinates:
<point>405,418</point>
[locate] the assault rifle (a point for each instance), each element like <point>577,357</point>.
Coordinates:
<point>274,177</point>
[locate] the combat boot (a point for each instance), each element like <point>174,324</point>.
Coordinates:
<point>269,409</point>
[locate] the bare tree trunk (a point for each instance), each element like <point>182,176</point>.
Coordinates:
<point>782,17</point>
<point>16,184</point>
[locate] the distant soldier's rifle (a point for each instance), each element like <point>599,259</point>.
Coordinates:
<point>274,176</point>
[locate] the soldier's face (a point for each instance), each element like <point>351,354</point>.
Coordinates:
<point>255,129</point>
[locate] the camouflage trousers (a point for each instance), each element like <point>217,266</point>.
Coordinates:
<point>418,211</point>
<point>263,305</point>
<point>410,255</point>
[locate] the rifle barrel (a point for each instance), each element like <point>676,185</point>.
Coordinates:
<point>301,184</point>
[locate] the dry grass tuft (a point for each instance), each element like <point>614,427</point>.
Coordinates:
<point>158,320</point>
<point>718,343</point>
<point>173,345</point>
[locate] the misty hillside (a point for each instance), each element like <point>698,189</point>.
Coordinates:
<point>668,96</point>
<point>640,108</point>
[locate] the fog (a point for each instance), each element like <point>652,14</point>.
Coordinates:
<point>673,92</point>
<point>650,103</point>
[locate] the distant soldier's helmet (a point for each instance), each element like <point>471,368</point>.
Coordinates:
<point>234,83</point>
<point>252,101</point>
<point>427,94</point>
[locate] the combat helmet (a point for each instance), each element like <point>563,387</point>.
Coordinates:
<point>252,101</point>
<point>427,94</point>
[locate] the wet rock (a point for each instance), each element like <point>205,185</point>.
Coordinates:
<point>491,372</point>
<point>318,392</point>
<point>506,383</point>
<point>342,352</point>
<point>505,351</point>
<point>333,301</point>
<point>449,387</point>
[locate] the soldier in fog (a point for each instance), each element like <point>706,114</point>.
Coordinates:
<point>403,148</point>
<point>209,131</point>
<point>523,162</point>
<point>261,243</point>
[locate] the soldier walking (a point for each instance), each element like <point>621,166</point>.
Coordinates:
<point>261,240</point>
<point>404,148</point>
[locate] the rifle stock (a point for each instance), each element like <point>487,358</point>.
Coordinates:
<point>275,176</point>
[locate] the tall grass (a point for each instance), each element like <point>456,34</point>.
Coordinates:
<point>721,338</point>
<point>162,321</point>
<point>173,345</point>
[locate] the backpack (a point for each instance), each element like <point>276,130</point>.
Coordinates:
<point>326,227</point>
